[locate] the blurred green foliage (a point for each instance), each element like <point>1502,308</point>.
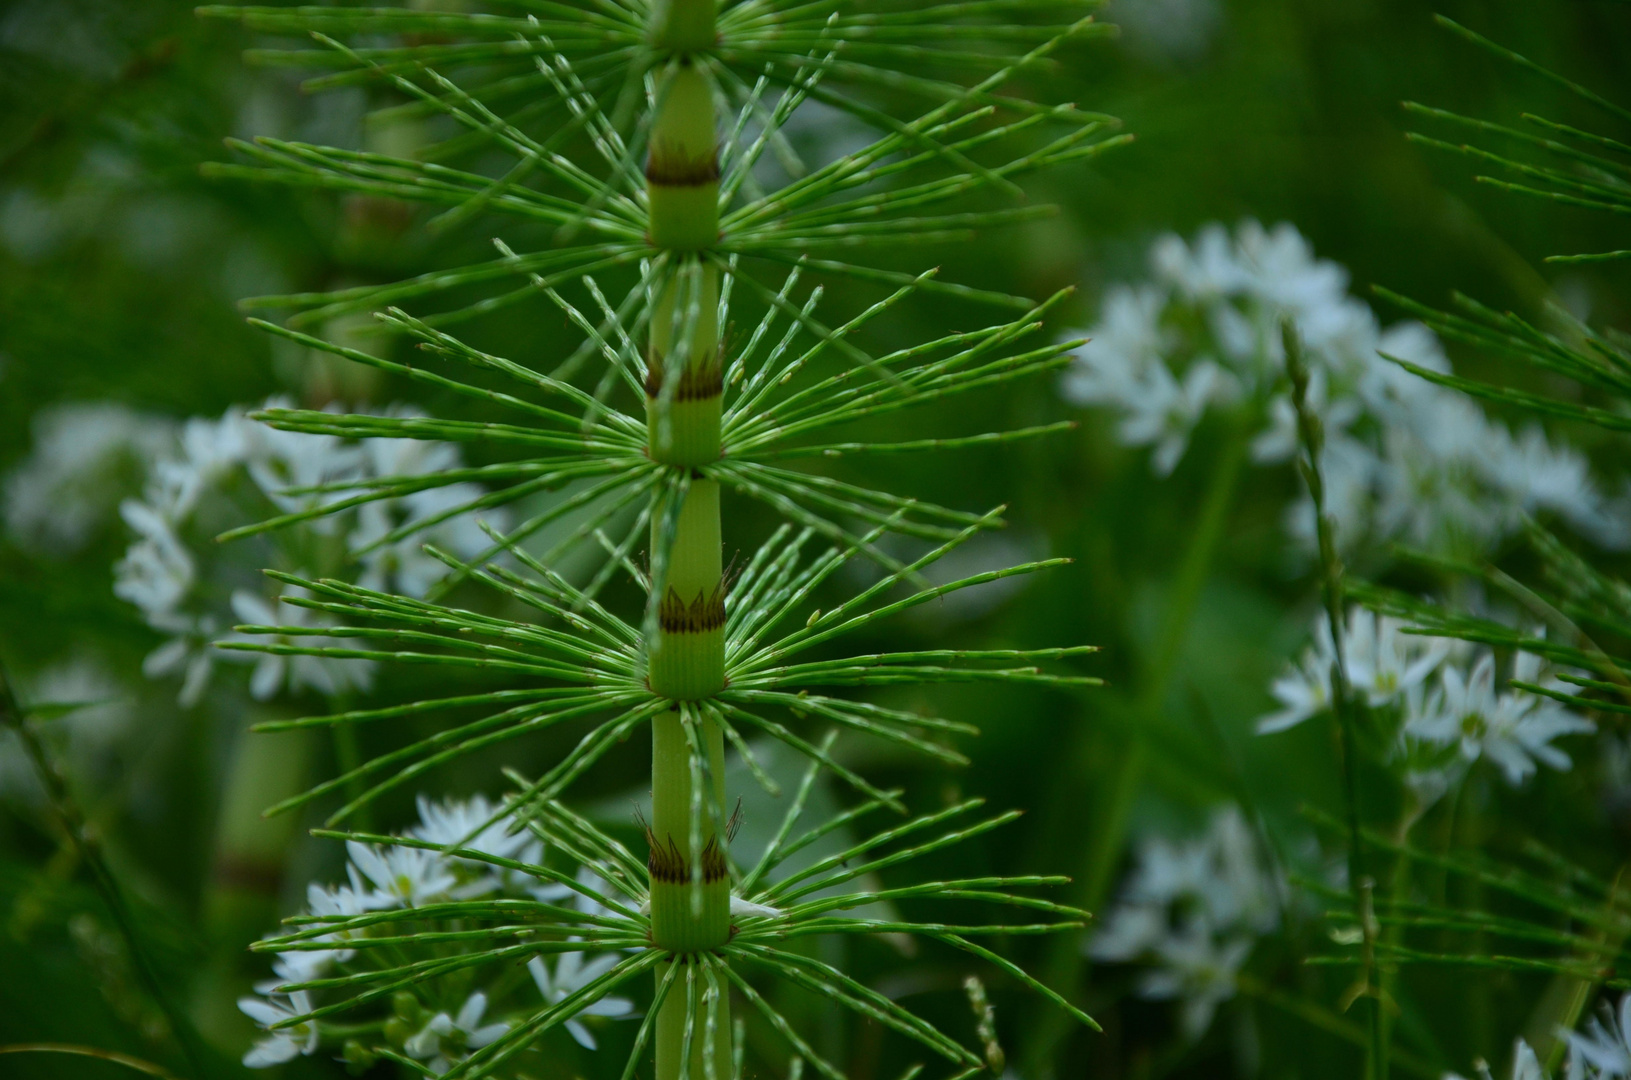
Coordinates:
<point>120,265</point>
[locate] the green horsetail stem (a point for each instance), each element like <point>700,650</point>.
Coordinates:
<point>690,883</point>
<point>684,26</point>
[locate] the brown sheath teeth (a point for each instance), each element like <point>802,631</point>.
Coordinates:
<point>672,167</point>
<point>706,612</point>
<point>698,382</point>
<point>668,864</point>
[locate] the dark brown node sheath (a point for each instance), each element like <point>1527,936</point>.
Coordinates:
<point>671,166</point>
<point>706,612</point>
<point>668,864</point>
<point>698,382</point>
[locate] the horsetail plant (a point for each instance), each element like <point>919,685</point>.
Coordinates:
<point>653,266</point>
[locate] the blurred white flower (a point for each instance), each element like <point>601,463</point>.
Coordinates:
<point>157,570</point>
<point>1128,339</point>
<point>210,450</point>
<point>190,654</point>
<point>1604,1046</point>
<point>1196,967</point>
<point>91,721</point>
<point>1192,911</point>
<point>1164,411</point>
<point>445,1039</point>
<point>1168,31</point>
<point>284,464</point>
<point>273,671</point>
<point>284,1044</point>
<point>572,972</point>
<point>404,563</point>
<point>1404,457</point>
<point>87,456</point>
<point>1525,1066</point>
<point>190,490</point>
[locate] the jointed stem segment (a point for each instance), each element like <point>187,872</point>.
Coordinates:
<point>690,884</point>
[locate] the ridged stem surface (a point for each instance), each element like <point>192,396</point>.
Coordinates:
<point>690,885</point>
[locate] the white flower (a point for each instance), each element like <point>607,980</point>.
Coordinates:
<point>1513,730</point>
<point>1525,1066</point>
<point>1604,1046</point>
<point>85,456</point>
<point>339,902</point>
<point>1191,911</point>
<point>326,675</point>
<point>1164,411</point>
<point>190,653</point>
<point>404,562</point>
<point>1350,469</point>
<point>1404,457</point>
<point>401,876</point>
<point>157,570</point>
<point>469,824</point>
<point>210,450</point>
<point>94,726</point>
<point>1127,339</point>
<point>285,1044</point>
<point>1278,266</point>
<point>1209,269</point>
<point>1280,441</point>
<point>283,462</point>
<point>1169,31</point>
<point>444,1039</point>
<point>1385,387</point>
<point>1383,664</point>
<point>1198,969</point>
<point>1540,476</point>
<point>572,973</point>
<point>552,893</point>
<point>1130,931</point>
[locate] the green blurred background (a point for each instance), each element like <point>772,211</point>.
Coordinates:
<point>120,267</point>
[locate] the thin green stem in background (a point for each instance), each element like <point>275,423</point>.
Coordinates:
<point>1311,434</point>
<point>1103,848</point>
<point>74,825</point>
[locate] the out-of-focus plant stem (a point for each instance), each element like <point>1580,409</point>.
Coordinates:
<point>1312,436</point>
<point>1099,863</point>
<point>74,826</point>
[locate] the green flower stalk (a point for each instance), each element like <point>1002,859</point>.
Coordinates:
<point>649,263</point>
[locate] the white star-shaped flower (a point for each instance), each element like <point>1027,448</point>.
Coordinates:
<point>445,1039</point>
<point>284,1044</point>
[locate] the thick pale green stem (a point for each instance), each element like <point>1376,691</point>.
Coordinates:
<point>684,378</point>
<point>690,889</point>
<point>690,884</point>
<point>685,26</point>
<point>687,661</point>
<point>682,170</point>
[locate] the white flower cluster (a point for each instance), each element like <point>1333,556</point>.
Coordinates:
<point>1601,1052</point>
<point>1444,724</point>
<point>1192,912</point>
<point>1404,458</point>
<point>387,878</point>
<point>188,587</point>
